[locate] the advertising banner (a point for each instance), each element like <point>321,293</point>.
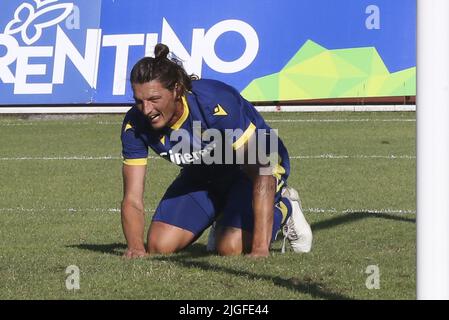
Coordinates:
<point>82,51</point>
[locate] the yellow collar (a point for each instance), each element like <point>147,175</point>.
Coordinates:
<point>185,115</point>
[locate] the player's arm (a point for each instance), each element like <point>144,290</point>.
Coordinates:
<point>264,189</point>
<point>135,154</point>
<point>231,110</point>
<point>132,209</point>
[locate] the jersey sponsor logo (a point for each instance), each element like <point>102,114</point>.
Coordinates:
<point>187,158</point>
<point>217,147</point>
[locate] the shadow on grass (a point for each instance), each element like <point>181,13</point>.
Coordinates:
<point>306,286</point>
<point>357,216</point>
<point>117,249</point>
<point>196,250</point>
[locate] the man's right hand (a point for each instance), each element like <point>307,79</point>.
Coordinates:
<point>134,253</point>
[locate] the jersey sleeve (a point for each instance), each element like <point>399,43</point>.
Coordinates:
<point>134,148</point>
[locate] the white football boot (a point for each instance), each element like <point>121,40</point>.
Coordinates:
<point>296,229</point>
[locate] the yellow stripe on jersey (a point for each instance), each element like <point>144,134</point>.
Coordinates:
<point>278,171</point>
<point>245,136</point>
<point>284,211</point>
<point>185,115</point>
<point>136,162</point>
<point>280,183</point>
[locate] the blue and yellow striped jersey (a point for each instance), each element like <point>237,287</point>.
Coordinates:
<point>209,105</point>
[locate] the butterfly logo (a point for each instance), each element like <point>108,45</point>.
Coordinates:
<point>31,20</point>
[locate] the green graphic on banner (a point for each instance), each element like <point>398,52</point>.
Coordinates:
<point>318,73</point>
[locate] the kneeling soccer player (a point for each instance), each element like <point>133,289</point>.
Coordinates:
<point>247,202</point>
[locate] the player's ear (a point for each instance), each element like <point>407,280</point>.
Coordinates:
<point>178,91</point>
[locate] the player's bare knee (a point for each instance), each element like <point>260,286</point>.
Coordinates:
<point>229,249</point>
<point>160,245</point>
<point>229,243</point>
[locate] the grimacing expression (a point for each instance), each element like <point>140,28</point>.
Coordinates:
<point>158,104</point>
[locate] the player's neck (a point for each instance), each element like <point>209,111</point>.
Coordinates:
<point>179,111</point>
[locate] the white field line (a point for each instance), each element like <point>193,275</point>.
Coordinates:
<point>340,120</point>
<point>91,158</point>
<point>150,210</point>
<point>82,158</point>
<point>68,210</point>
<point>42,122</point>
<point>117,109</point>
<point>372,211</point>
<point>14,124</point>
<point>334,156</point>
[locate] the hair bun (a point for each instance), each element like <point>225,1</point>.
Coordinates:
<point>161,51</point>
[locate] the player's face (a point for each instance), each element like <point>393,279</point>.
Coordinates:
<point>160,106</point>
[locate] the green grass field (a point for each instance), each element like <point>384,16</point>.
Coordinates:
<point>61,189</point>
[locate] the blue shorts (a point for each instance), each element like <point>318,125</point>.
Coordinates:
<point>196,199</point>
